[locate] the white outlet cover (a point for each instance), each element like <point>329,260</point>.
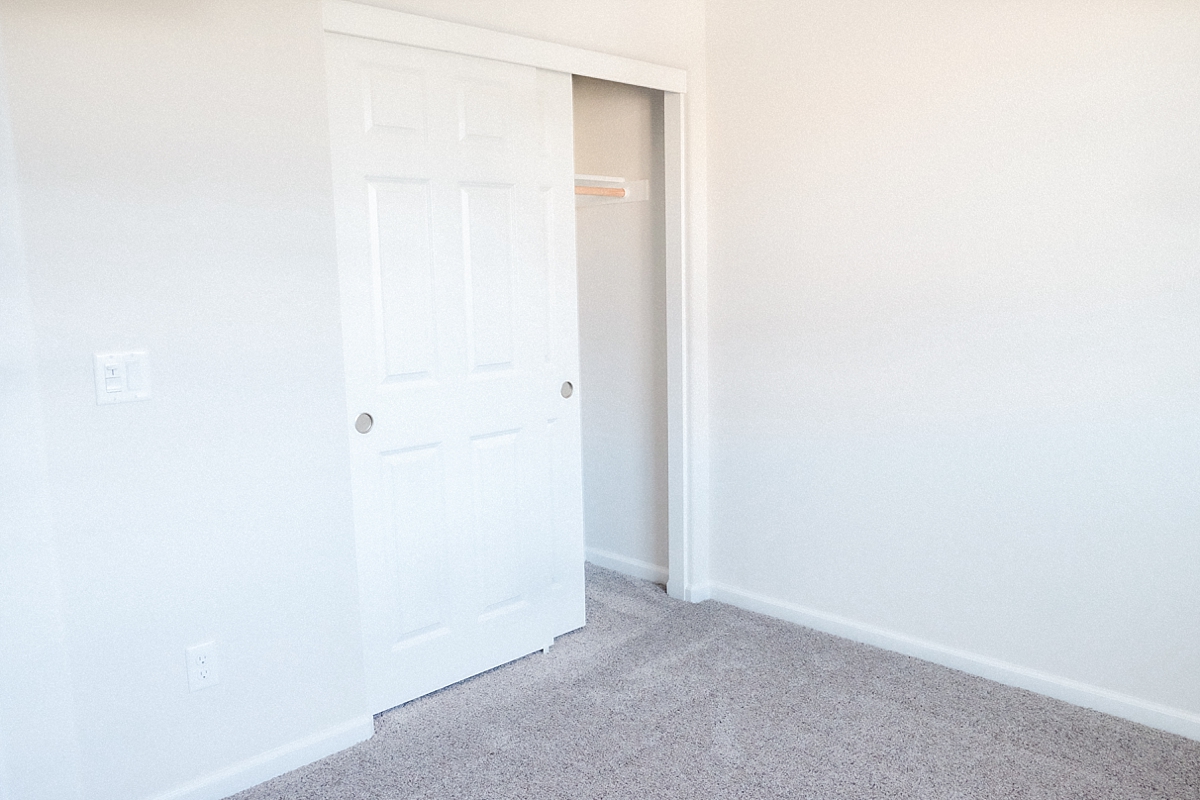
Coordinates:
<point>202,666</point>
<point>122,377</point>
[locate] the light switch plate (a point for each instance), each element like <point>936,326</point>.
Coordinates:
<point>122,377</point>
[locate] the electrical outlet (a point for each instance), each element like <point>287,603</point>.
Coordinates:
<point>202,666</point>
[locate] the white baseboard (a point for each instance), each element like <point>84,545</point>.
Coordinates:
<point>696,593</point>
<point>632,567</point>
<point>273,763</point>
<point>1172,720</point>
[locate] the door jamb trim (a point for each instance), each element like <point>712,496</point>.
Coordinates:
<point>371,22</point>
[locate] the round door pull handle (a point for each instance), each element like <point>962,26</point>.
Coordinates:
<point>567,389</point>
<point>363,423</point>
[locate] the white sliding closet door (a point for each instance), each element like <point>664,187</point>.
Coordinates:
<point>455,228</point>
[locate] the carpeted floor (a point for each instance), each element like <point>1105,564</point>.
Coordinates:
<point>657,698</point>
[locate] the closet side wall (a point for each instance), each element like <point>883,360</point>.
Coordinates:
<point>621,263</point>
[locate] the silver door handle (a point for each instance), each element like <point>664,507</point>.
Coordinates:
<point>567,389</point>
<point>364,422</point>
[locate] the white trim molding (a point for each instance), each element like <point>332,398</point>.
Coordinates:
<point>633,567</point>
<point>370,22</point>
<point>679,539</point>
<point>274,763</point>
<point>1144,712</point>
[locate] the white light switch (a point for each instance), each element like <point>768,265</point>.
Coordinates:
<point>122,377</point>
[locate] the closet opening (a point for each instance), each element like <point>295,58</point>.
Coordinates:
<point>623,341</point>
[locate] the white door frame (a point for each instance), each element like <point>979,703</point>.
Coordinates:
<point>371,22</point>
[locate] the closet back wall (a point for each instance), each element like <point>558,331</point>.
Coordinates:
<point>622,284</point>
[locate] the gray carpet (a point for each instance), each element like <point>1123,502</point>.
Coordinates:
<point>657,698</point>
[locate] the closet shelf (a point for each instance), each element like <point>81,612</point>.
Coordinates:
<point>599,189</point>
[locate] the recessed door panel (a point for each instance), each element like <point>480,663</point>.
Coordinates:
<point>548,201</point>
<point>483,110</point>
<point>416,519</point>
<point>487,258</point>
<point>496,506</point>
<point>404,272</point>
<point>395,99</point>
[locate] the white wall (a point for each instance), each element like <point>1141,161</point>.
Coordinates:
<point>37,732</point>
<point>956,348</point>
<point>623,365</point>
<point>174,191</point>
